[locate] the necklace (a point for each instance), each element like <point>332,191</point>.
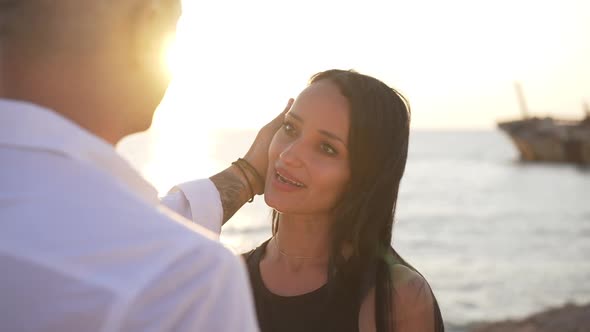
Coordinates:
<point>294,256</point>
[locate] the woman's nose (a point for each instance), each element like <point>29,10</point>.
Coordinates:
<point>292,154</point>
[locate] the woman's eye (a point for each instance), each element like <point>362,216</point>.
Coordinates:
<point>288,128</point>
<point>327,148</point>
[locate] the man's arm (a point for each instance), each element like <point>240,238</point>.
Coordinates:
<point>233,191</point>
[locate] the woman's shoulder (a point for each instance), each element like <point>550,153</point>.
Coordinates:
<point>411,298</point>
<point>406,282</point>
<point>409,286</point>
<point>414,306</point>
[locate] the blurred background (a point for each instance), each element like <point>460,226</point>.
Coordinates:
<point>496,238</point>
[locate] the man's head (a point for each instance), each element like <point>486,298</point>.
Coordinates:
<point>97,62</point>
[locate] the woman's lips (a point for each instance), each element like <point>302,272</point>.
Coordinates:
<point>282,180</point>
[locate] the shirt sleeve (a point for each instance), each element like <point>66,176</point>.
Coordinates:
<point>198,201</point>
<point>203,290</point>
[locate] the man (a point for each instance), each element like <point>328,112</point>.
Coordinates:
<point>85,245</point>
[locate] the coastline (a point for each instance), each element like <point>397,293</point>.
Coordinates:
<point>569,317</point>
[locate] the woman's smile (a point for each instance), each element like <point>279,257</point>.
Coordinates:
<point>285,181</point>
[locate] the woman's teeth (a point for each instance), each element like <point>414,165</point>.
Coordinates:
<point>285,180</point>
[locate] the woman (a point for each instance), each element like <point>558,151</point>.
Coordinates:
<point>333,178</point>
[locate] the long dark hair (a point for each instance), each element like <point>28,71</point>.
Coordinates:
<point>378,149</point>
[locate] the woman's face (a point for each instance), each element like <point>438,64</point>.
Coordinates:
<point>308,168</point>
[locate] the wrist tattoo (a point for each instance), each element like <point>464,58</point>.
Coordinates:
<point>232,191</point>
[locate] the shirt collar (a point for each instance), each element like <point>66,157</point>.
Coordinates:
<point>28,126</point>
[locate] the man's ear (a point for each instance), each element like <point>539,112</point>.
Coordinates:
<point>154,24</point>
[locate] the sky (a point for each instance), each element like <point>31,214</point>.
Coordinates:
<point>236,63</point>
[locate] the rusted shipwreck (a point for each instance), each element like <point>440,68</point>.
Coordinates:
<point>548,139</point>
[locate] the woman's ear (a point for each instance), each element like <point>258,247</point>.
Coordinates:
<point>154,24</point>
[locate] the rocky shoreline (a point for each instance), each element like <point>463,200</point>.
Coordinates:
<point>567,318</point>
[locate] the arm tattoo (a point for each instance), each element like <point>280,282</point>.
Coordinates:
<point>232,191</point>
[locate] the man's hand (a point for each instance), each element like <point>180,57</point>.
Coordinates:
<point>231,184</point>
<point>257,156</point>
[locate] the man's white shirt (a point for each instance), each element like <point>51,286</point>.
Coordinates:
<point>85,245</point>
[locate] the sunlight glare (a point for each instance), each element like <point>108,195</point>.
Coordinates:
<point>172,56</point>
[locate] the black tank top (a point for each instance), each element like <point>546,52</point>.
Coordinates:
<point>320,310</point>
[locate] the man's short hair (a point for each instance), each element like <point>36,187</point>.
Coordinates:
<point>7,13</point>
<point>40,26</point>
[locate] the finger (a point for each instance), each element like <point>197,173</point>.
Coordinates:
<point>279,118</point>
<point>288,107</point>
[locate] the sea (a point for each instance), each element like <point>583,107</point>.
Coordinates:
<point>495,237</point>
